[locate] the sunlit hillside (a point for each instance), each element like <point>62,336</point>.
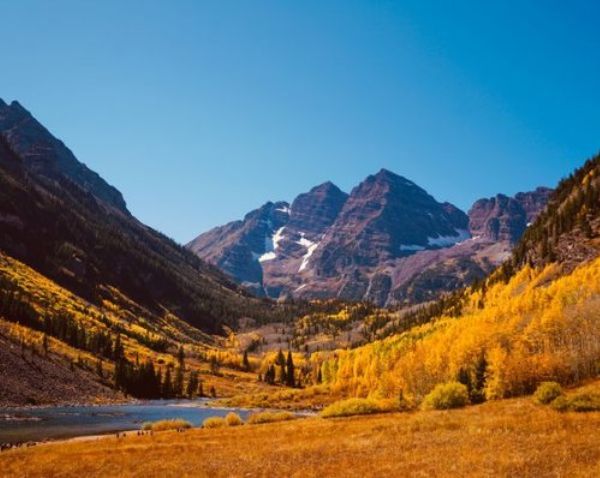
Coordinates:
<point>46,324</point>
<point>537,327</point>
<point>535,319</point>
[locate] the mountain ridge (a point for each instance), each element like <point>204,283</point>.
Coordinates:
<point>376,243</point>
<point>65,221</point>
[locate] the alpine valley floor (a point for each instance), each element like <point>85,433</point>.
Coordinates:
<point>512,437</point>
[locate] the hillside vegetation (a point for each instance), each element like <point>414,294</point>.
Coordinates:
<point>58,347</point>
<point>535,328</point>
<point>535,319</point>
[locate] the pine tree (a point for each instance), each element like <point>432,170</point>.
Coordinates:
<point>282,373</point>
<point>290,378</point>
<point>166,389</point>
<point>214,365</point>
<point>192,385</point>
<point>118,351</point>
<point>178,383</point>
<point>181,357</point>
<point>246,362</point>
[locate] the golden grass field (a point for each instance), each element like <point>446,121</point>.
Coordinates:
<point>503,438</point>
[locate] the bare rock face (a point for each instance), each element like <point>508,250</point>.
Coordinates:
<point>503,218</point>
<point>534,202</point>
<point>388,242</point>
<point>44,155</point>
<point>499,219</point>
<point>238,248</point>
<point>386,217</point>
<point>315,211</point>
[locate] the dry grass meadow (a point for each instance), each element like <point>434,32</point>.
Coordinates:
<point>504,438</point>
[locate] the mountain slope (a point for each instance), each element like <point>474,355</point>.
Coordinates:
<point>388,242</point>
<point>66,222</point>
<point>537,318</point>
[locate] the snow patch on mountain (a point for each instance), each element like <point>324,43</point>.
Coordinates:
<point>446,241</point>
<point>271,245</point>
<point>411,247</point>
<point>310,248</point>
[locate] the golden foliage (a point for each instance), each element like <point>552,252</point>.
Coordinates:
<point>538,327</point>
<point>164,425</point>
<point>269,417</point>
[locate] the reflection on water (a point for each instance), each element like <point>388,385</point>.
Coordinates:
<point>37,424</point>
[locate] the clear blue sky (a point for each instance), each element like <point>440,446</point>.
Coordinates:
<point>199,111</point>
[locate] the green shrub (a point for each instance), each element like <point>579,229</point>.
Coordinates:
<point>445,396</point>
<point>356,406</point>
<point>269,417</point>
<point>233,420</point>
<point>560,404</point>
<point>162,425</point>
<point>581,402</point>
<point>547,392</point>
<point>214,422</point>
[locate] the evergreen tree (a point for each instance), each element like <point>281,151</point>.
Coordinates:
<point>192,385</point>
<point>290,378</point>
<point>214,365</point>
<point>282,374</point>
<point>167,389</point>
<point>246,362</point>
<point>118,351</point>
<point>181,357</point>
<point>178,383</point>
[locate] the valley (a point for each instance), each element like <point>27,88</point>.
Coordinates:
<point>477,311</point>
<point>512,437</point>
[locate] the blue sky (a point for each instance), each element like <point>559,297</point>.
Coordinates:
<point>200,111</point>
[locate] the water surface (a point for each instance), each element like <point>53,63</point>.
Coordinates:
<point>50,423</point>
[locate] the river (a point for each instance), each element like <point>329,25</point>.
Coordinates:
<point>59,422</point>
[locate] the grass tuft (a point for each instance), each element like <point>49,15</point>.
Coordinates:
<point>214,422</point>
<point>580,402</point>
<point>446,396</point>
<point>269,417</point>
<point>356,406</point>
<point>233,420</point>
<point>547,392</point>
<point>163,425</point>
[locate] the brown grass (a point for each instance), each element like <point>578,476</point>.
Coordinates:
<point>269,417</point>
<point>165,425</point>
<point>507,438</point>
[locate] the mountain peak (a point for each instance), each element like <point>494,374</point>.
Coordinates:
<point>326,187</point>
<point>45,155</point>
<point>2,103</point>
<point>389,177</point>
<point>313,212</point>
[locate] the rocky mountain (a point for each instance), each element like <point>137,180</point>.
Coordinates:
<point>504,218</point>
<point>388,241</point>
<point>63,220</point>
<point>44,155</point>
